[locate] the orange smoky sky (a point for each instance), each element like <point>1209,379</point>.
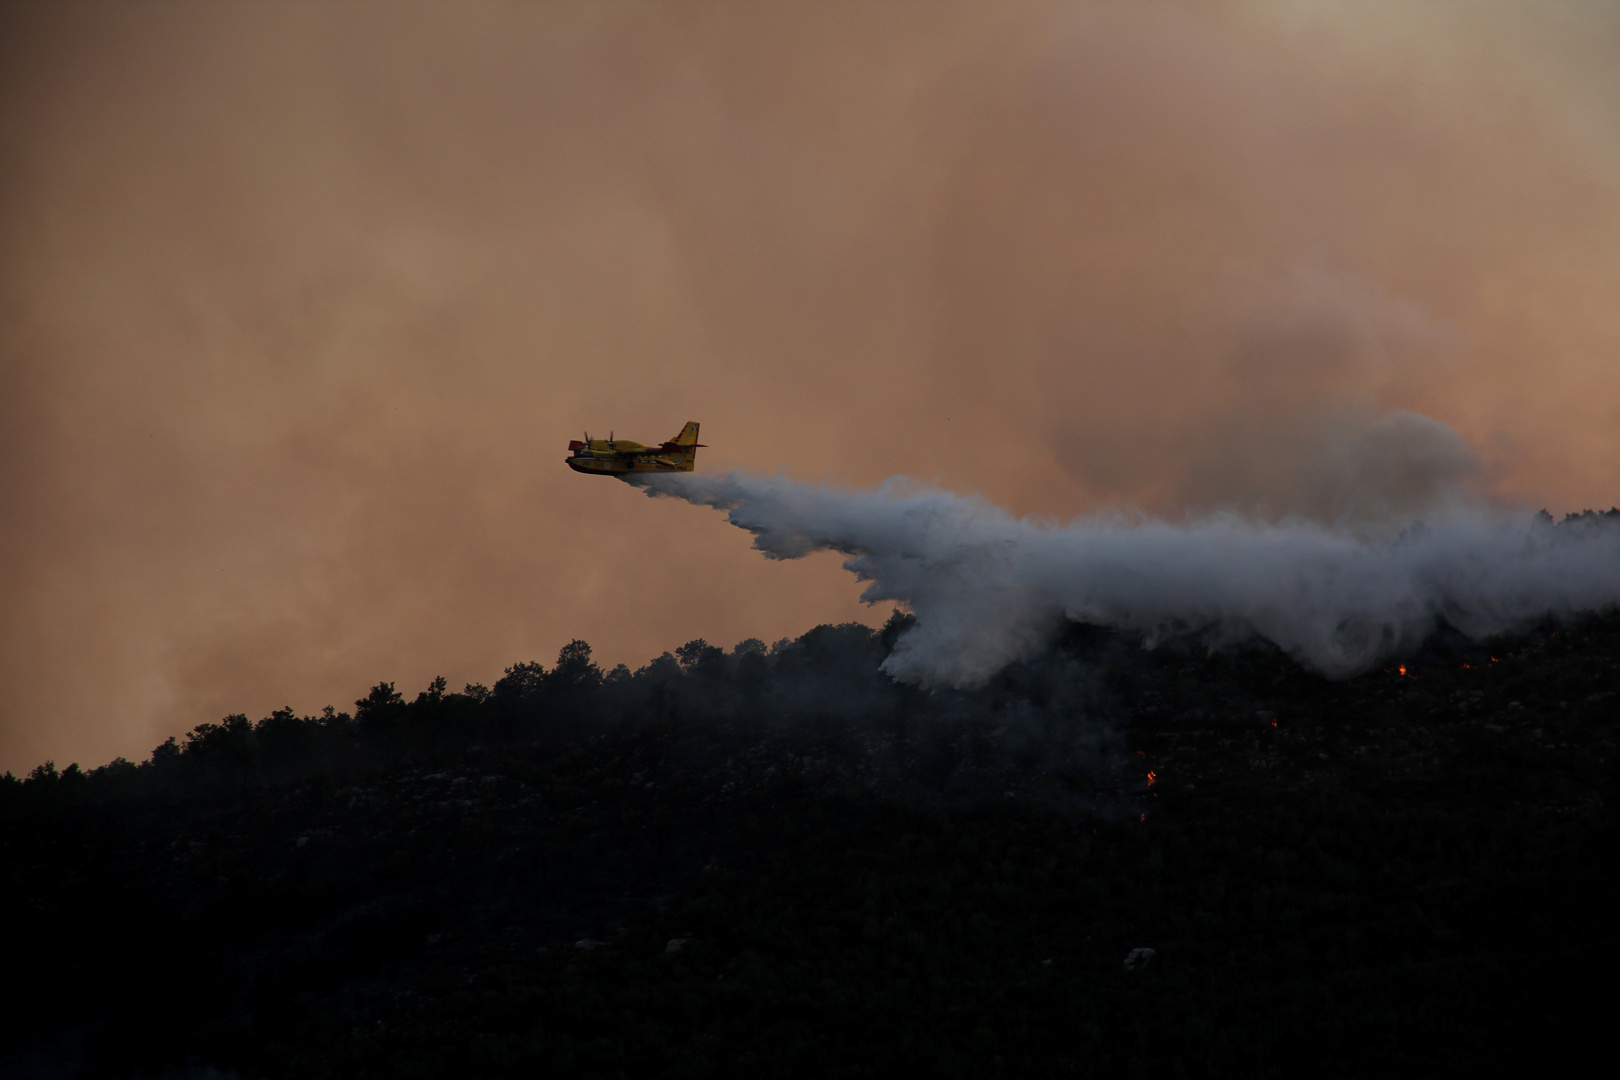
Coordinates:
<point>300,304</point>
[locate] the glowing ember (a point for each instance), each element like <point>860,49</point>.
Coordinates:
<point>1152,777</point>
<point>1403,669</point>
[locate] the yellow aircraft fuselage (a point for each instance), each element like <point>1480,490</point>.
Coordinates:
<point>621,457</point>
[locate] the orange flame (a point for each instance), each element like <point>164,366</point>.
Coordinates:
<point>1152,777</point>
<point>1403,669</point>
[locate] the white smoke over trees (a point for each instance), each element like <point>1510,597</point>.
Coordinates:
<point>988,589</point>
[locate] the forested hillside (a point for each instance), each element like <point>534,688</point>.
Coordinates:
<point>777,861</point>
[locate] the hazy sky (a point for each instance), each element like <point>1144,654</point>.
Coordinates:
<point>300,304</point>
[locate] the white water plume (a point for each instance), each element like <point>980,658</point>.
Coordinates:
<point>989,589</point>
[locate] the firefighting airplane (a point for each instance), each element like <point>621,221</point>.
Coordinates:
<point>622,458</point>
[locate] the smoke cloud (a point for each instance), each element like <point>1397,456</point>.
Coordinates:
<point>300,303</point>
<point>989,589</point>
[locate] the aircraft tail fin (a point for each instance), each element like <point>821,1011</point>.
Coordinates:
<point>684,447</point>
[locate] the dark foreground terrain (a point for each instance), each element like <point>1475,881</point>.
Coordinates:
<point>775,862</point>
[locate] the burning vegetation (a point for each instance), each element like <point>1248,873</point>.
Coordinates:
<point>1405,870</point>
